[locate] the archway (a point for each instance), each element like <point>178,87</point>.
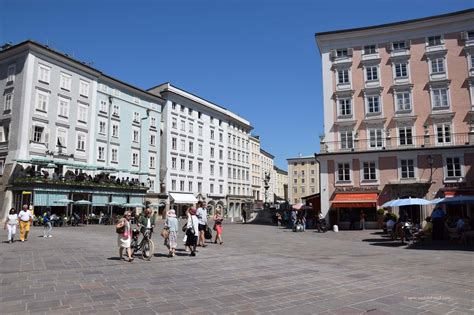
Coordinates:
<point>211,205</point>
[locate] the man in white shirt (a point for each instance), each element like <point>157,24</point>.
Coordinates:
<point>202,220</point>
<point>25,217</point>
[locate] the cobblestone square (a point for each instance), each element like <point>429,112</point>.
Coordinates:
<point>259,269</point>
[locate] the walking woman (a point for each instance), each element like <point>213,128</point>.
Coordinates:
<point>192,231</point>
<point>218,227</point>
<point>47,227</point>
<point>172,225</point>
<point>11,223</point>
<point>125,237</point>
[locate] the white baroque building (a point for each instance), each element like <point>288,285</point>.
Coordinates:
<point>205,153</point>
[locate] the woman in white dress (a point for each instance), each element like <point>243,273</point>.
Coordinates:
<point>124,239</point>
<point>192,231</point>
<point>11,223</point>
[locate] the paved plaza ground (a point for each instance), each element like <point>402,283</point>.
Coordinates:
<point>259,269</point>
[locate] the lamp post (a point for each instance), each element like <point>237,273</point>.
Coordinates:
<point>266,186</point>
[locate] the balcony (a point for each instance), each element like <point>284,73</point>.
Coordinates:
<point>395,143</point>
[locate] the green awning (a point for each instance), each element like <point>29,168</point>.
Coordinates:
<point>100,200</point>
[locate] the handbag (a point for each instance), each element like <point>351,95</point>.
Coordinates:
<point>208,233</point>
<point>184,227</point>
<point>120,228</point>
<point>165,233</point>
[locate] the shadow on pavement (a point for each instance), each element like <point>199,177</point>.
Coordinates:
<point>113,258</point>
<point>441,245</point>
<point>160,255</point>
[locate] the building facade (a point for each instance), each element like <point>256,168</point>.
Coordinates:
<point>256,172</point>
<point>303,178</point>
<point>205,153</point>
<point>280,184</point>
<point>57,130</point>
<point>266,167</point>
<point>398,104</point>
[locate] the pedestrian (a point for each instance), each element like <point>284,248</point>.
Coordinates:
<point>172,225</point>
<point>192,231</point>
<point>218,227</point>
<point>278,218</point>
<point>147,221</point>
<point>11,222</point>
<point>202,220</point>
<point>244,216</point>
<point>47,227</point>
<point>25,217</point>
<point>362,220</point>
<point>124,239</point>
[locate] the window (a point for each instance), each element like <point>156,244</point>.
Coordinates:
<point>115,130</point>
<point>63,107</point>
<point>183,145</point>
<point>373,104</point>
<point>114,155</point>
<point>343,76</point>
<point>342,52</point>
<point>443,133</point>
<point>173,184</point>
<point>42,100</point>
<point>370,49</point>
<point>200,149</point>
<point>221,137</point>
<point>103,106</point>
<point>136,117</point>
<point>190,166</point>
<point>199,187</point>
<point>191,147</point>
<point>190,127</point>
<point>372,73</point>
<point>199,115</point>
<point>84,88</point>
<point>403,101</point>
<point>212,134</point>
<point>174,123</point>
<point>61,138</point>
<point>101,153</point>
<point>212,152</point>
<point>212,170</point>
<point>453,167</point>
<point>82,113</point>
<point>211,188</point>
<point>369,171</point>
<point>221,154</point>
<point>183,125</point>
<point>200,131</point>
<point>173,106</point>
<point>345,107</point>
<point>152,139</point>
<point>8,101</point>
<point>11,73</point>
<point>65,81</point>
<point>173,163</point>
<point>38,132</point>
<point>116,112</point>
<point>407,168</point>
<point>190,111</point>
<point>434,40</point>
<point>152,162</point>
<point>181,185</point>
<point>346,140</point>
<point>182,108</point>
<point>437,65</point>
<point>102,127</point>
<point>174,143</point>
<point>81,142</point>
<point>440,98</point>
<point>200,167</point>
<point>400,45</point>
<point>152,185</point>
<point>405,135</point>
<point>44,73</point>
<point>221,189</point>
<point>295,190</point>
<point>153,122</point>
<point>190,186</point>
<point>343,172</point>
<point>221,171</point>
<point>135,159</point>
<point>375,138</point>
<point>401,70</point>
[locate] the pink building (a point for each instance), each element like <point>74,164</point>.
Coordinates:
<point>398,114</point>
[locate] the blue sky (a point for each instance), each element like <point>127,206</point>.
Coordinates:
<point>257,58</point>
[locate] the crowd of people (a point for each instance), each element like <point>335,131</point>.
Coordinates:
<point>194,229</point>
<point>23,220</point>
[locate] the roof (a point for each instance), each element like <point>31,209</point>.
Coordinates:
<point>267,154</point>
<point>279,170</point>
<point>310,157</point>
<point>32,44</point>
<point>395,23</point>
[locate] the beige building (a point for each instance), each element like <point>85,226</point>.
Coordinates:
<point>280,184</point>
<point>303,178</point>
<point>398,114</point>
<point>255,168</point>
<point>266,167</point>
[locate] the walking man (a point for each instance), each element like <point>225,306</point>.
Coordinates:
<point>25,220</point>
<point>47,224</point>
<point>202,222</point>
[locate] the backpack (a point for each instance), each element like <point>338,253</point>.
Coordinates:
<point>208,233</point>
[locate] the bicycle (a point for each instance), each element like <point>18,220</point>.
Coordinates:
<point>146,246</point>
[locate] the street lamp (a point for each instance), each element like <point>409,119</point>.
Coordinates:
<point>266,185</point>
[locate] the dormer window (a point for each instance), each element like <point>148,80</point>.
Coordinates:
<point>401,45</point>
<point>370,49</point>
<point>341,52</point>
<point>434,40</point>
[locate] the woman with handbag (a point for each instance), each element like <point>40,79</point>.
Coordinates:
<point>172,225</point>
<point>218,227</point>
<point>124,232</point>
<point>192,231</point>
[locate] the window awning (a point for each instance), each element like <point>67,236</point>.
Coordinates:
<point>183,198</point>
<point>354,200</point>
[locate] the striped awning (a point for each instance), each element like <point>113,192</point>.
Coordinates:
<point>136,200</point>
<point>119,199</point>
<point>100,200</point>
<point>48,199</point>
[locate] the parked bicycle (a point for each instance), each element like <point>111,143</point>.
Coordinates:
<point>146,246</point>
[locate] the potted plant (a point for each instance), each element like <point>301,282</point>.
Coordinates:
<point>380,215</point>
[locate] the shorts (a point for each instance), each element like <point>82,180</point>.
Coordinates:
<point>202,227</point>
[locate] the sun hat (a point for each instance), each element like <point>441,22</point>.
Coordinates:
<point>171,213</point>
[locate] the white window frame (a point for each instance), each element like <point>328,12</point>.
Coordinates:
<point>46,102</point>
<point>152,139</point>
<point>152,162</point>
<point>343,76</point>
<point>102,122</point>
<point>364,51</point>
<point>400,170</point>
<point>200,130</point>
<point>336,173</point>
<point>182,145</point>
<point>64,134</point>
<point>346,134</point>
<point>63,107</point>
<point>378,138</point>
<point>436,61</point>
<point>441,40</point>
<point>454,178</point>
<point>407,69</point>
<point>370,74</point>
<point>103,106</point>
<point>434,97</point>
<point>444,135</point>
<point>397,94</point>
<point>83,88</point>
<point>399,128</point>
<point>115,130</point>
<point>114,154</point>
<point>190,127</point>
<point>44,73</point>
<point>11,72</point>
<point>136,135</point>
<point>173,185</point>
<point>116,110</point>
<point>85,113</point>
<point>2,166</point>
<point>81,143</point>
<point>174,123</point>
<point>190,165</point>
<point>340,111</point>
<point>136,117</point>
<point>174,143</point>
<point>8,101</point>
<point>367,99</point>
<point>152,121</point>
<point>65,81</point>
<point>135,158</point>
<point>173,162</point>
<point>376,172</point>
<point>100,149</point>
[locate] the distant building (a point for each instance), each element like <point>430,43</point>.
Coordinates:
<point>280,185</point>
<point>62,121</point>
<point>255,172</point>
<point>303,178</point>
<point>266,167</point>
<point>398,114</point>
